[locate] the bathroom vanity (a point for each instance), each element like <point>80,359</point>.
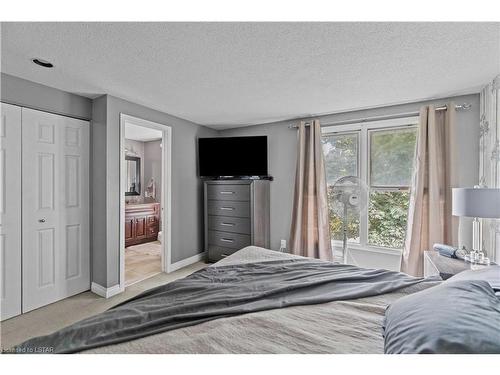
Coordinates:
<point>142,223</point>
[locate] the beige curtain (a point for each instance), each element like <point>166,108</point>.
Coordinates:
<point>429,218</point>
<point>310,232</point>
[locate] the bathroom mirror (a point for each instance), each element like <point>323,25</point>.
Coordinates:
<point>133,175</point>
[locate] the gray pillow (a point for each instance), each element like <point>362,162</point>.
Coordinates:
<point>490,274</point>
<point>454,317</point>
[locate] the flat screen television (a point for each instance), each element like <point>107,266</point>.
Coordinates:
<point>233,157</point>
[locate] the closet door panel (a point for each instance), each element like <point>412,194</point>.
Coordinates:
<point>10,211</point>
<point>55,208</point>
<point>76,203</point>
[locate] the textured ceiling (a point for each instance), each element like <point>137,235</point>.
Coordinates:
<point>141,133</point>
<point>234,74</point>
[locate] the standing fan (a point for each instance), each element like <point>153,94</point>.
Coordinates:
<point>349,197</point>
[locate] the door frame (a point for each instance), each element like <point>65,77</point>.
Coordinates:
<point>166,191</point>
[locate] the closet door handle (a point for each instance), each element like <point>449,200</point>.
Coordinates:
<point>41,220</point>
<point>227,208</point>
<point>227,224</point>
<point>226,240</point>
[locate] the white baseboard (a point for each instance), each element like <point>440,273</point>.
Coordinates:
<point>186,262</point>
<point>114,290</point>
<point>105,292</point>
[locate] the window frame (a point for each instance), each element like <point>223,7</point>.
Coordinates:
<point>364,163</point>
<point>358,165</point>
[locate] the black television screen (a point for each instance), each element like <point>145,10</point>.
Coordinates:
<point>233,156</point>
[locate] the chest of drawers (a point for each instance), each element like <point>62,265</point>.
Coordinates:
<point>236,215</point>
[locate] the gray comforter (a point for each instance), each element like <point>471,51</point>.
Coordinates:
<point>223,292</point>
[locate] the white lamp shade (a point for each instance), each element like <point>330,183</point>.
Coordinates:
<point>480,202</point>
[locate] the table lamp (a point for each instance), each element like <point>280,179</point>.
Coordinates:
<point>477,203</point>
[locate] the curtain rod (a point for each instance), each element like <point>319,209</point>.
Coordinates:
<point>460,107</point>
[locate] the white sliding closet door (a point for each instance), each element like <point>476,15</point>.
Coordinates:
<point>10,209</point>
<point>55,207</point>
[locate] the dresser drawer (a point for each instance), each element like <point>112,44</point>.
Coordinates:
<point>152,222</point>
<point>229,224</point>
<point>227,208</point>
<point>225,239</point>
<point>152,232</point>
<point>216,253</point>
<point>228,192</point>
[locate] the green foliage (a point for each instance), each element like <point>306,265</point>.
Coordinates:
<point>341,156</point>
<point>387,218</point>
<point>392,154</point>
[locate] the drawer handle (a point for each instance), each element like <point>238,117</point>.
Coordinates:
<point>224,255</point>
<point>228,224</point>
<point>227,192</point>
<point>226,240</point>
<point>227,208</point>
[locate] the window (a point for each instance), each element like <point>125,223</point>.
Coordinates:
<point>391,167</point>
<point>381,154</point>
<point>341,159</point>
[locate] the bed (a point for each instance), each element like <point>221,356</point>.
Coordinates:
<point>347,325</point>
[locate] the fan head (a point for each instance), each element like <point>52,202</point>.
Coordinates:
<point>349,193</point>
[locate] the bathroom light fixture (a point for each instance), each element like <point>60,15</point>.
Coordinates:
<point>44,63</point>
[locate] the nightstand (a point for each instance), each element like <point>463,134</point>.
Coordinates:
<point>436,264</point>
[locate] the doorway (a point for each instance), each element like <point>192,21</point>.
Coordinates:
<point>145,163</point>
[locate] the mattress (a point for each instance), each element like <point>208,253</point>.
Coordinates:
<point>351,326</point>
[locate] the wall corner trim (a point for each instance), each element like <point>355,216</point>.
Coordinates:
<point>186,262</point>
<point>105,292</point>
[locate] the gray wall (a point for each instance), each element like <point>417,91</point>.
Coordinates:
<point>18,91</point>
<point>152,166</point>
<point>98,179</point>
<point>104,111</point>
<point>282,157</point>
<point>136,148</point>
<point>187,207</point>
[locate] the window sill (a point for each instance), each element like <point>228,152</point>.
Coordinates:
<point>373,249</point>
